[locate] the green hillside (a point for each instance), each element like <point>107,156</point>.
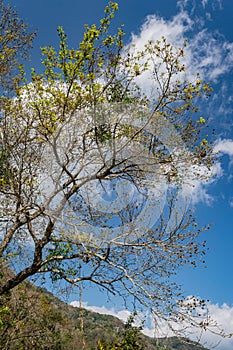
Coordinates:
<point>32,318</point>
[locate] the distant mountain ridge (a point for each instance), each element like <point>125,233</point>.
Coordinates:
<point>31,318</point>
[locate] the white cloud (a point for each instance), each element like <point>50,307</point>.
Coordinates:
<point>194,179</point>
<point>224,146</point>
<point>223,315</point>
<point>197,186</point>
<point>215,4</point>
<point>204,3</point>
<point>207,53</point>
<point>182,3</point>
<point>155,27</point>
<point>122,314</point>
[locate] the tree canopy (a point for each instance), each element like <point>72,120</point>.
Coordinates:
<point>15,42</point>
<point>94,167</point>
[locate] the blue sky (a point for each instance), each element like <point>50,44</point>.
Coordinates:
<point>208,26</point>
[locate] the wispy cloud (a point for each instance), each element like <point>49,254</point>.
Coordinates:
<point>204,3</point>
<point>215,4</point>
<point>231,202</point>
<point>207,53</point>
<point>198,187</point>
<point>224,146</point>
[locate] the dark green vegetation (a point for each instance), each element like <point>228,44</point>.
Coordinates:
<point>32,318</point>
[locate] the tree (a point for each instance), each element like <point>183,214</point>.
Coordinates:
<point>15,42</point>
<point>129,339</point>
<point>93,179</point>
